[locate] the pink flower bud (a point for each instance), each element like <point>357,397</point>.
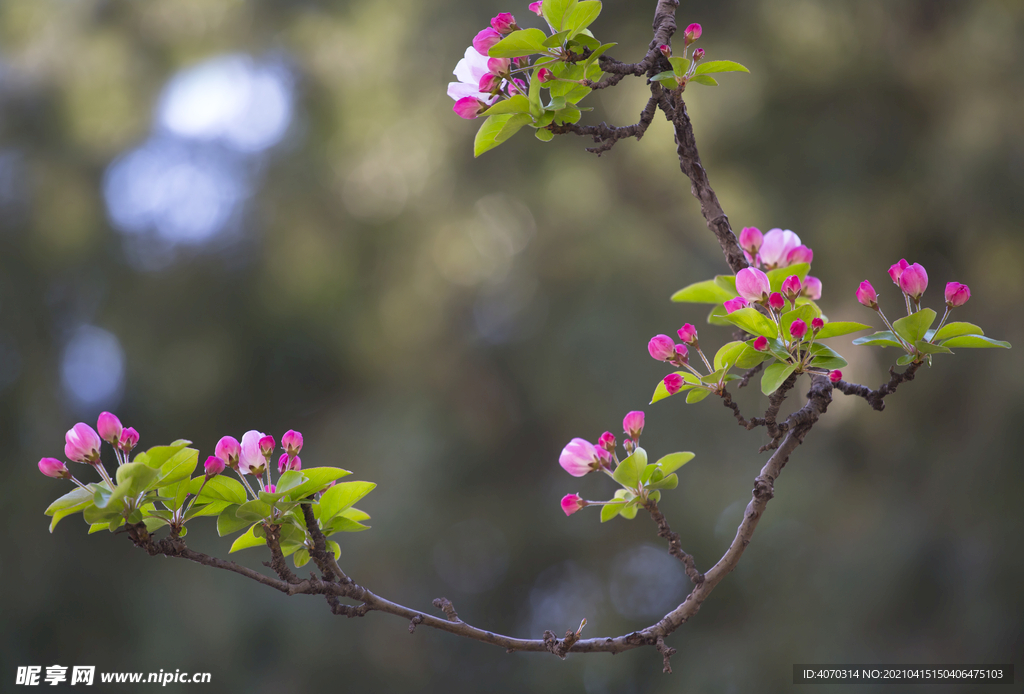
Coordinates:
<point>754,259</point>
<point>82,444</point>
<point>777,301</point>
<point>735,304</point>
<point>687,333</point>
<point>867,295</point>
<point>483,41</point>
<point>291,442</point>
<point>692,33</point>
<point>129,439</point>
<point>518,86</point>
<point>537,8</point>
<point>957,294</point>
<point>817,324</point>
<point>498,66</point>
<point>752,284</point>
<point>580,457</point>
<point>288,462</point>
<point>227,449</point>
<point>571,503</point>
<point>214,466</point>
<point>812,288</point>
<point>914,280</point>
<point>633,424</point>
<point>800,254</point>
<point>751,239</point>
<point>109,428</point>
<point>666,50</point>
<point>51,467</point>
<point>835,376</point>
<point>798,329</point>
<point>267,446</point>
<point>896,270</point>
<point>606,457</point>
<point>469,107</point>
<point>791,287</point>
<point>545,75</point>
<point>682,355</point>
<point>607,441</point>
<point>251,459</point>
<point>661,347</point>
<point>488,83</point>
<point>698,55</point>
<point>271,489</point>
<point>504,23</point>
<point>761,343</point>
<point>673,384</point>
<point>776,247</point>
<point>630,444</point>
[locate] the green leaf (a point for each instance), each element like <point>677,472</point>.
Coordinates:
<point>75,501</point>
<point>514,104</point>
<point>301,558</point>
<point>913,327</point>
<point>804,313</point>
<point>247,540</point>
<point>135,478</point>
<point>555,11</point>
<point>826,358</point>
<point>629,510</point>
<point>928,348</point>
<point>228,522</point>
<point>696,395</point>
<point>219,488</point>
<point>840,328</point>
<point>706,292</point>
<point>341,524</point>
<point>97,527</point>
<point>727,282</point>
<point>728,354</point>
<point>673,461</point>
<point>713,378</point>
<point>254,510</point>
<point>519,43</point>
<point>341,496</point>
<point>719,66</point>
<point>629,470</point>
<point>214,508</point>
<point>609,511</point>
<point>679,65</point>
<point>178,467</point>
<point>669,482</point>
<point>750,357</point>
<point>355,514</point>
<point>975,341</point>
<point>497,129</point>
<point>777,276</point>
<point>666,76</point>
<point>176,494</point>
<point>569,114</point>
<point>334,547</point>
<point>883,338</point>
<point>955,329</point>
<point>544,135</point>
<point>774,376</point>
<point>581,16</point>
<point>706,80</point>
<point>158,455</point>
<point>598,52</point>
<point>753,322</point>
<point>905,359</point>
<point>717,317</point>
<point>555,39</point>
<point>317,478</point>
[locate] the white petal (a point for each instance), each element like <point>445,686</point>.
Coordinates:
<point>472,67</point>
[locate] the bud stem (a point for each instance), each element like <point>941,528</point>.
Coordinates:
<point>941,323</point>
<point>241,476</point>
<point>891,329</point>
<point>705,360</point>
<point>78,483</point>
<point>103,473</point>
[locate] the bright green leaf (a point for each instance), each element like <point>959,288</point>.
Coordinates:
<point>544,135</point>
<point>629,510</point>
<point>247,540</point>
<point>228,522</point>
<point>774,376</point>
<point>840,328</point>
<point>728,354</point>
<point>75,501</point>
<point>301,558</point>
<point>679,65</point>
<point>955,329</point>
<point>581,16</point>
<point>696,395</point>
<point>629,470</point>
<point>341,496</point>
<point>804,313</point>
<point>752,321</point>
<point>317,478</point>
<point>706,80</point>
<point>609,511</point>
<point>519,43</point>
<point>913,327</point>
<point>975,341</point>
<point>497,129</point>
<point>928,348</point>
<point>883,338</point>
<point>719,66</point>
<point>673,461</point>
<point>706,292</point>
<point>219,488</point>
<point>777,276</point>
<point>514,104</point>
<point>669,482</point>
<point>555,11</point>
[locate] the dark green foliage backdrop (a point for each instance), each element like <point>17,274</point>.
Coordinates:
<point>442,326</point>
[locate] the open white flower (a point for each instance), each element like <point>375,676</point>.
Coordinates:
<point>470,71</point>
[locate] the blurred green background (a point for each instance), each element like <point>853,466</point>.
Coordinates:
<point>218,215</point>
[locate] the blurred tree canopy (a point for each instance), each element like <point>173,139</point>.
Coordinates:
<point>218,215</point>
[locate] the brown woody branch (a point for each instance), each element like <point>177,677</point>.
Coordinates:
<point>876,398</point>
<point>675,546</point>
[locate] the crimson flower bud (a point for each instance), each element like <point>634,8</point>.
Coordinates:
<point>817,324</point>
<point>761,343</point>
<point>469,107</point>
<point>51,467</point>
<point>129,439</point>
<point>661,347</point>
<point>812,288</point>
<point>751,239</point>
<point>271,489</point>
<point>82,444</point>
<point>489,83</point>
<point>914,280</point>
<point>109,428</point>
<point>867,295</point>
<point>800,254</point>
<point>835,376</point>
<point>752,284</point>
<point>687,333</point>
<point>214,466</point>
<point>791,287</point>
<point>291,442</point>
<point>227,449</point>
<point>483,41</point>
<point>666,50</point>
<point>682,355</point>
<point>897,269</point>
<point>698,55</point>
<point>957,294</point>
<point>777,301</point>
<point>267,446</point>
<point>735,304</point>
<point>633,424</point>
<point>571,503</point>
<point>537,8</point>
<point>607,441</point>
<point>692,33</point>
<point>545,75</point>
<point>798,329</point>
<point>673,384</point>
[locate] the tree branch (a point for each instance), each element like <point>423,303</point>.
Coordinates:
<point>675,547</point>
<point>876,398</point>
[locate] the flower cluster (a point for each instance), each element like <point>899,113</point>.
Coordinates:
<point>779,248</point>
<point>687,66</point>
<point>640,482</point>
<point>82,444</point>
<point>253,456</point>
<point>913,333</point>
